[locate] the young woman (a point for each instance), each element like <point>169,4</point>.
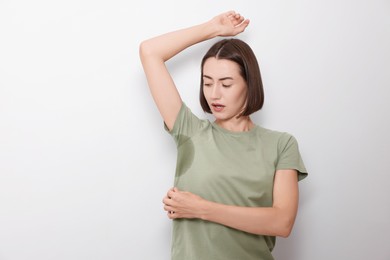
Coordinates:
<point>236,183</point>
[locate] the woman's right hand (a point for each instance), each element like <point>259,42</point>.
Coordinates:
<point>229,23</point>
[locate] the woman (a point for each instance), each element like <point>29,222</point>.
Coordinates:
<point>236,183</point>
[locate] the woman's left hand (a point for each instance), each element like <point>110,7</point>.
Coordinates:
<point>229,23</point>
<point>183,204</point>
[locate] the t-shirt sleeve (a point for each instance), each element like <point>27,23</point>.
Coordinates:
<point>289,156</point>
<point>186,125</point>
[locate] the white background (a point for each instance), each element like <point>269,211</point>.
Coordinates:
<point>84,159</point>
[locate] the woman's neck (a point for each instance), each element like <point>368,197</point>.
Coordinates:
<point>241,124</point>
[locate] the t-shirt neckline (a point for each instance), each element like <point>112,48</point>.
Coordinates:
<point>241,133</point>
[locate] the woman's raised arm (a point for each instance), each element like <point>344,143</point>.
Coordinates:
<point>156,51</point>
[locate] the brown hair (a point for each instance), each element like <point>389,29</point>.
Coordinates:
<point>239,52</point>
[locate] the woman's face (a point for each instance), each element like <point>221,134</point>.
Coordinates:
<point>224,88</point>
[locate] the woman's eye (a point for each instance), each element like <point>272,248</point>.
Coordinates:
<point>226,86</point>
<point>207,84</point>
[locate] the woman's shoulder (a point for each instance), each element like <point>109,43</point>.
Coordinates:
<point>278,137</point>
<point>273,133</point>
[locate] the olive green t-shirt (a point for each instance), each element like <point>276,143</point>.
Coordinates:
<point>233,168</point>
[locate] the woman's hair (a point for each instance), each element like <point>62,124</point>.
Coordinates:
<point>239,52</point>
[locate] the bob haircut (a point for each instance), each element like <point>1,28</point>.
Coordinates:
<point>239,52</point>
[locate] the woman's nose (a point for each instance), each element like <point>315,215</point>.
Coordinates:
<point>215,93</point>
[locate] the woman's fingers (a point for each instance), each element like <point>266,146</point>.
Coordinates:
<point>171,191</point>
<point>168,208</point>
<point>181,204</point>
<point>230,13</point>
<point>166,200</point>
<point>236,18</point>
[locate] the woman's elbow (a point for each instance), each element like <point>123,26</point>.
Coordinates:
<point>285,232</point>
<point>143,49</point>
<point>148,52</point>
<point>285,227</point>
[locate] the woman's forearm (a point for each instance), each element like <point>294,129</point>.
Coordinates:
<point>168,45</point>
<point>271,221</point>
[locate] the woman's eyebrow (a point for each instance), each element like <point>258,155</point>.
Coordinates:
<point>224,78</point>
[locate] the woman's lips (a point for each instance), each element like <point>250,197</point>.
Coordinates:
<point>217,107</point>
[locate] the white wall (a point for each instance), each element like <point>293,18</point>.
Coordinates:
<point>84,160</point>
